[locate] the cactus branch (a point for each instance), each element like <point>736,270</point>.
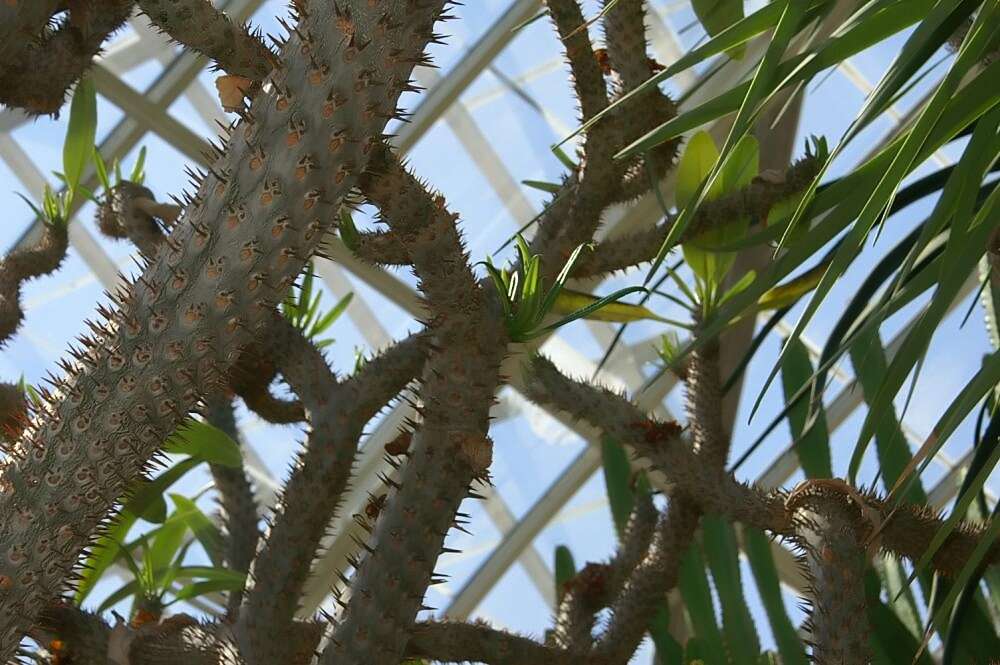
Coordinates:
<point>236,495</point>
<point>454,642</point>
<point>831,533</point>
<point>380,248</point>
<point>211,287</point>
<point>337,411</point>
<point>450,448</point>
<point>21,24</point>
<point>907,534</point>
<point>753,201</point>
<point>23,264</point>
<point>591,91</point>
<point>648,582</point>
<point>625,32</point>
<point>45,68</point>
<point>198,25</point>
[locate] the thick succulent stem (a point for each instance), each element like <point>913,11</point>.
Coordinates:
<point>198,25</point>
<point>450,448</point>
<point>703,390</point>
<point>37,79</point>
<point>908,533</point>
<point>337,412</point>
<point>43,258</point>
<point>21,24</point>
<point>625,32</point>
<point>453,642</point>
<point>831,530</point>
<point>753,201</point>
<point>591,91</point>
<point>648,583</point>
<point>244,238</point>
<point>72,635</point>
<point>130,211</point>
<point>380,248</point>
<point>239,506</point>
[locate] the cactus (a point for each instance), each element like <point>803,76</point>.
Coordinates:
<point>200,325</point>
<point>205,293</point>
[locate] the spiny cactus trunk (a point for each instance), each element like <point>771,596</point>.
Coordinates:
<point>832,538</point>
<point>255,220</point>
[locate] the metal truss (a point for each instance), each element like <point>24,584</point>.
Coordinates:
<point>145,111</point>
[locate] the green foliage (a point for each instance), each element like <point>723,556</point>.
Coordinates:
<point>526,303</point>
<point>81,133</point>
<point>201,443</point>
<point>302,308</point>
<point>719,15</point>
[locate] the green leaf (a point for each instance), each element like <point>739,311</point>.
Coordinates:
<point>700,155</point>
<point>565,569</point>
<point>203,528</point>
<point>328,319</point>
<point>758,550</point>
<point>203,588</point>
<point>81,131</point>
<point>348,231</point>
<point>128,589</point>
<point>668,651</point>
<point>812,447</point>
<point>891,635</point>
<point>718,15</point>
<point>102,170</point>
<point>617,481</point>
<point>103,554</point>
<point>568,301</point>
<point>549,187</point>
<point>206,442</point>
<point>147,500</point>
<point>138,171</point>
<point>165,546</point>
<point>869,362</point>
<point>593,311</point>
<point>966,244</point>
<point>697,594</point>
<point>719,542</point>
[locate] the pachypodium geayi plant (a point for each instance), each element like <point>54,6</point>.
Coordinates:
<point>224,303</point>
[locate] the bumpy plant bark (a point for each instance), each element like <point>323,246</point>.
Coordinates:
<point>242,241</point>
<point>200,325</point>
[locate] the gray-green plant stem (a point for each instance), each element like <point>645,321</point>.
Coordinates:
<point>753,201</point>
<point>625,33</point>
<point>198,25</point>
<point>649,582</point>
<point>257,217</point>
<point>450,448</point>
<point>36,77</point>
<point>337,412</point>
<point>85,637</point>
<point>21,23</point>
<point>236,495</point>
<point>585,71</point>
<point>907,534</point>
<point>574,214</point>
<point>831,532</point>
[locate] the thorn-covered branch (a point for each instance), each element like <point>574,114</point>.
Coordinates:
<point>198,25</point>
<point>337,412</point>
<point>239,505</point>
<point>453,642</point>
<point>173,335</point>
<point>588,80</point>
<point>908,533</point>
<point>48,62</point>
<point>450,448</point>
<point>754,201</point>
